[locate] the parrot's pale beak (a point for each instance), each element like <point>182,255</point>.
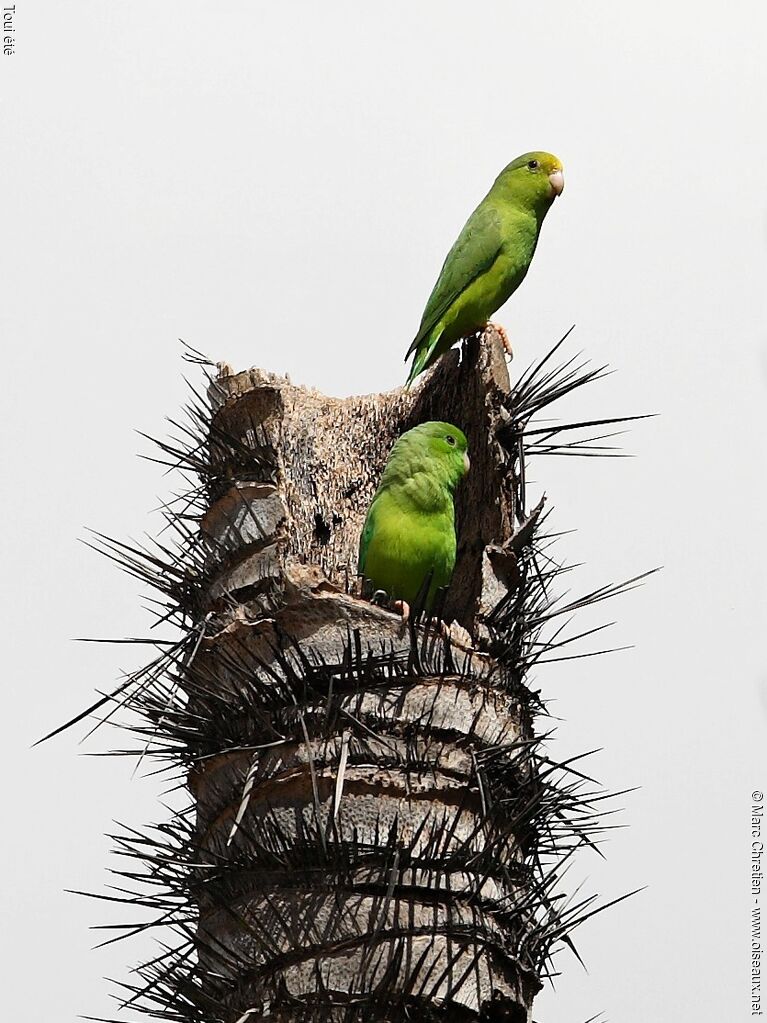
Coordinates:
<point>557,180</point>
<point>466,460</point>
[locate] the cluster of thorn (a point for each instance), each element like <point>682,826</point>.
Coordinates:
<point>499,856</point>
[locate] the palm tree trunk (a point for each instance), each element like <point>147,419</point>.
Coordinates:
<point>359,823</point>
<point>374,832</point>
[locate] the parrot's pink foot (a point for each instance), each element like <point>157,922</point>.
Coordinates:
<point>504,338</point>
<point>404,609</point>
<point>381,599</point>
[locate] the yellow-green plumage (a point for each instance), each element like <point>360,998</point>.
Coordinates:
<point>409,531</point>
<point>490,258</point>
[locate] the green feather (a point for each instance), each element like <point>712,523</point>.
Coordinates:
<point>490,258</point>
<point>409,531</point>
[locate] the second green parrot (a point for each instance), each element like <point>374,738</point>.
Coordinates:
<point>490,258</point>
<point>409,531</point>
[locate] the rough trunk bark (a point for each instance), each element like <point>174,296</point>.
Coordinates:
<point>375,832</point>
<point>365,798</point>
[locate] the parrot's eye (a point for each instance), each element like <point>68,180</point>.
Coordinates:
<point>450,440</point>
<point>532,164</point>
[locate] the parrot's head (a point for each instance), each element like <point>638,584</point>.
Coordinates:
<point>533,179</point>
<point>438,449</point>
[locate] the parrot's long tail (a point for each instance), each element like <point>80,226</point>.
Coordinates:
<point>424,355</point>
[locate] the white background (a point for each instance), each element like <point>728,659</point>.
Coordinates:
<point>278,184</point>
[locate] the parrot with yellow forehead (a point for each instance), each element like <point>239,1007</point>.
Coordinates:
<point>490,258</point>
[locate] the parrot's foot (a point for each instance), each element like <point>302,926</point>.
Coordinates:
<point>381,599</point>
<point>404,609</point>
<point>504,338</point>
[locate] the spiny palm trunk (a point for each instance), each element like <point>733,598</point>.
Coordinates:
<point>374,832</point>
<point>366,864</point>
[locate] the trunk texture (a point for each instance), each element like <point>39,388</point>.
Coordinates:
<point>362,786</point>
<point>374,833</point>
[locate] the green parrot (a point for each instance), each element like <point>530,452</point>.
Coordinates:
<point>489,260</point>
<point>409,530</point>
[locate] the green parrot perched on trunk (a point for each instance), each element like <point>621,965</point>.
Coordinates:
<point>489,260</point>
<point>409,531</point>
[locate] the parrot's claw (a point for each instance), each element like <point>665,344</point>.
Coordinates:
<point>504,338</point>
<point>404,609</point>
<point>381,599</point>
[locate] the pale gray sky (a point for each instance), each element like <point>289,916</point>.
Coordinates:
<point>278,184</point>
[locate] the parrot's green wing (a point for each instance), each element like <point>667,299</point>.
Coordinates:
<point>367,533</point>
<point>474,252</point>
